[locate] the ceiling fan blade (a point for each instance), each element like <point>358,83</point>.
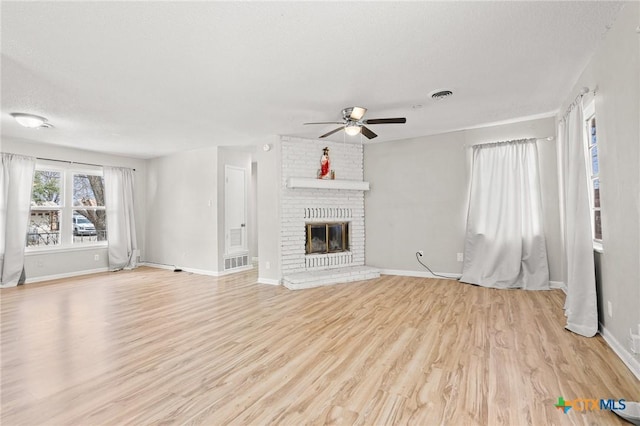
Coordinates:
<point>357,113</point>
<point>331,132</point>
<point>326,122</point>
<point>385,120</point>
<point>367,132</point>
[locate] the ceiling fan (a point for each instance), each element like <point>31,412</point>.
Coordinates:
<point>352,122</point>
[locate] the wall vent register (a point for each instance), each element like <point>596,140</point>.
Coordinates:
<point>236,262</point>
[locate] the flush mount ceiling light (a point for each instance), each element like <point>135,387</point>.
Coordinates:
<point>29,120</point>
<point>440,94</point>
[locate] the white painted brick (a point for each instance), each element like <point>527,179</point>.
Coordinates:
<point>301,158</point>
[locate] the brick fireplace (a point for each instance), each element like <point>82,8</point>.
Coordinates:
<point>322,205</point>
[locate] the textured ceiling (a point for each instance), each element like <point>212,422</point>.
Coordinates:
<point>145,79</point>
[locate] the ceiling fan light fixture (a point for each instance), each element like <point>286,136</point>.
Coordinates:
<point>30,121</point>
<point>353,123</point>
<point>352,129</point>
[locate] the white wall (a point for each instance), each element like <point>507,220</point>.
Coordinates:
<point>252,222</point>
<point>182,210</point>
<point>268,207</point>
<point>615,71</point>
<point>41,265</point>
<point>418,196</point>
<point>185,231</point>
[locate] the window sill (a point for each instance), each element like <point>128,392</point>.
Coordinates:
<point>49,250</point>
<point>597,247</point>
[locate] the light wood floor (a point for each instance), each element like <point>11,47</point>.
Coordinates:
<point>155,346</point>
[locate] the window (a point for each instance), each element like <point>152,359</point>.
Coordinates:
<point>593,171</point>
<point>67,207</point>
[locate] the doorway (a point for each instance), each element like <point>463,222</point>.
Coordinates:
<point>235,217</point>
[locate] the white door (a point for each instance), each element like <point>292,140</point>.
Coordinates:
<point>235,217</point>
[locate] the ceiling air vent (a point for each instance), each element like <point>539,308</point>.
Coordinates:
<point>441,94</point>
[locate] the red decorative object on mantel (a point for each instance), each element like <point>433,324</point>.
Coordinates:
<point>325,165</point>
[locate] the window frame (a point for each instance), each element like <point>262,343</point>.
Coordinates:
<point>589,114</point>
<point>66,207</point>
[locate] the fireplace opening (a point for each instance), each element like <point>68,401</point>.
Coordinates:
<point>327,237</point>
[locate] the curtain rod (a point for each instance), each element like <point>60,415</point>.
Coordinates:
<point>578,98</point>
<point>548,138</point>
<point>72,162</point>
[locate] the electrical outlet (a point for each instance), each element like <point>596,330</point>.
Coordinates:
<point>267,265</point>
<point>460,257</point>
<point>610,309</point>
<point>421,253</point>
<point>96,257</point>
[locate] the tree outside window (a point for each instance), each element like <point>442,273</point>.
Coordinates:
<point>88,202</point>
<point>67,208</point>
<point>46,206</point>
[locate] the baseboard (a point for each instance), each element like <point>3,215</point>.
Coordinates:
<point>198,271</point>
<point>269,281</point>
<point>201,271</point>
<point>156,265</point>
<point>627,357</point>
<point>233,271</point>
<point>65,275</point>
<point>426,274</point>
<point>420,274</point>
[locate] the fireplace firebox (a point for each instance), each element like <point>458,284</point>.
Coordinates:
<point>331,237</point>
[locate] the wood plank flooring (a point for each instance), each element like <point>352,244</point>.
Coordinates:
<point>153,346</point>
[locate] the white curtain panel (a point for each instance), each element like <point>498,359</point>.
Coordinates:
<point>504,244</point>
<point>581,306</point>
<point>121,228</point>
<point>16,182</point>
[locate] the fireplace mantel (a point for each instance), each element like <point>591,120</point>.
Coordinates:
<point>354,185</point>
